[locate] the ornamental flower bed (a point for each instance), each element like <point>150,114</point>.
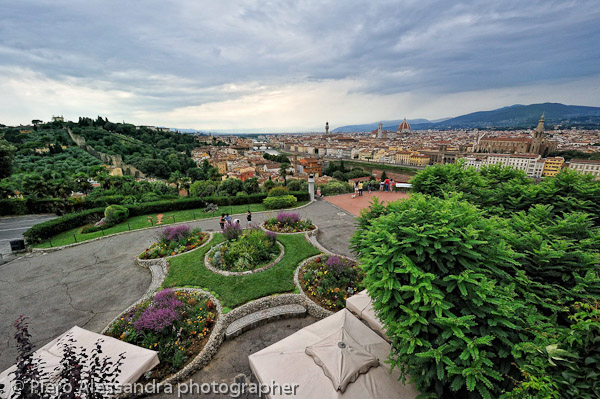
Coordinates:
<point>329,280</point>
<point>250,250</point>
<point>174,240</point>
<point>176,324</point>
<point>289,222</point>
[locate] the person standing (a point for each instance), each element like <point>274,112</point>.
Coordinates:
<point>360,189</point>
<point>369,186</point>
<point>227,218</point>
<point>381,186</point>
<point>249,217</point>
<point>222,221</point>
<point>387,184</point>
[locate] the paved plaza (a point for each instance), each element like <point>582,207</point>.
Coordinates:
<point>356,204</point>
<point>90,284</point>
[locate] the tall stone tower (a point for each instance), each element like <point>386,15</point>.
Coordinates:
<point>538,137</point>
<point>326,128</point>
<point>380,131</point>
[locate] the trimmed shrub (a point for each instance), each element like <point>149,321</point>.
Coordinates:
<point>115,214</point>
<point>336,187</point>
<point>13,206</point>
<point>284,201</point>
<point>50,228</point>
<point>278,191</point>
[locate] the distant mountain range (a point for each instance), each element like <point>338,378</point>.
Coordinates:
<point>515,116</point>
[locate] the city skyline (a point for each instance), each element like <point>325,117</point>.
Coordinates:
<point>290,67</point>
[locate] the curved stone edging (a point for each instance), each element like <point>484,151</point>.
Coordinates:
<point>314,305</point>
<point>215,340</point>
<point>228,273</point>
<point>144,262</point>
<point>309,232</point>
<point>297,279</point>
<point>75,244</point>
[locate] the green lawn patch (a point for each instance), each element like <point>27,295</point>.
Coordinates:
<point>140,222</point>
<point>188,270</point>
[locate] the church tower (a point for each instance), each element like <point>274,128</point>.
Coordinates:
<point>380,131</point>
<point>538,137</point>
<point>326,128</point>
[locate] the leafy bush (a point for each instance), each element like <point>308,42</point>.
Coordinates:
<point>50,228</point>
<point>116,214</point>
<point>278,191</point>
<point>433,266</point>
<point>336,187</point>
<point>297,185</point>
<point>477,306</point>
<point>285,201</point>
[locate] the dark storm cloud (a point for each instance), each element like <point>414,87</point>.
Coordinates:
<point>171,54</point>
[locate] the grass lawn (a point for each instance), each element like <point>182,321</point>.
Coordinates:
<point>188,270</point>
<point>139,222</point>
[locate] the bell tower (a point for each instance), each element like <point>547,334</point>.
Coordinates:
<point>326,128</point>
<point>538,137</point>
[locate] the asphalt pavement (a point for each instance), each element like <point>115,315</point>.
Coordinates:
<point>13,227</point>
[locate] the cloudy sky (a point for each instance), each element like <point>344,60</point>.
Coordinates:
<point>291,65</point>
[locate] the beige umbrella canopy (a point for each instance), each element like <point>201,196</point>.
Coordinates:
<point>137,360</point>
<point>337,357</point>
<point>361,304</point>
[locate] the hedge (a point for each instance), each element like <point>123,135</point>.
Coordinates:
<point>53,227</point>
<point>60,206</point>
<point>284,201</point>
<point>48,229</point>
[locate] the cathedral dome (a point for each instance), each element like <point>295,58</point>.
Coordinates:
<point>404,127</point>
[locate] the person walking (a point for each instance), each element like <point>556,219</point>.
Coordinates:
<point>355,190</point>
<point>222,221</point>
<point>249,218</point>
<point>369,186</point>
<point>392,185</point>
<point>387,184</point>
<point>360,189</point>
<point>381,186</point>
<point>227,218</point>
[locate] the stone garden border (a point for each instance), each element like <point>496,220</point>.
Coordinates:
<point>206,354</point>
<point>159,269</point>
<point>244,273</point>
<point>143,262</point>
<point>309,232</point>
<point>297,277</point>
<point>53,249</point>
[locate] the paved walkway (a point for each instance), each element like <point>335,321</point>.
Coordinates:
<point>90,284</point>
<point>355,205</point>
<point>231,359</point>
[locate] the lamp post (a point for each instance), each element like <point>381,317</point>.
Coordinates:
<point>311,186</point>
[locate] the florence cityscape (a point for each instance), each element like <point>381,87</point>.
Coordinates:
<point>299,199</point>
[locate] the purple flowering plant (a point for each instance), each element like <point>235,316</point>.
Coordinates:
<point>232,231</point>
<point>173,323</point>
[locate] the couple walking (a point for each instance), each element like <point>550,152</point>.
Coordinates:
<point>226,218</point>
